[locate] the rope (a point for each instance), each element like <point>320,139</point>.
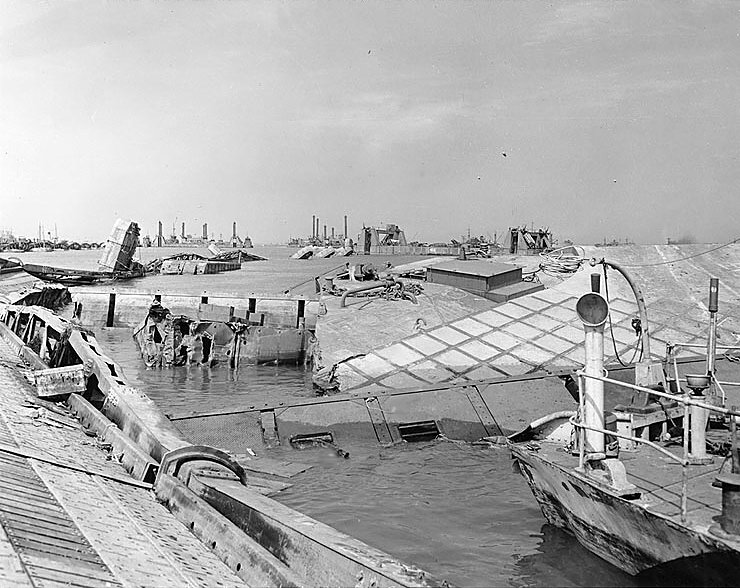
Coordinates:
<point>559,264</point>
<point>685,258</point>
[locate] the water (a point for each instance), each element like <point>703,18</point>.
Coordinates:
<point>456,510</point>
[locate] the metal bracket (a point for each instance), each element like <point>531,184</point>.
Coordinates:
<point>479,406</point>
<point>269,428</point>
<point>377,417</point>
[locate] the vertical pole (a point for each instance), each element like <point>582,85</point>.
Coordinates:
<point>581,430</point>
<point>324,233</point>
<point>317,228</point>
<point>712,340</point>
<point>345,227</point>
<point>684,465</point>
<point>733,442</point>
<point>111,309</point>
<point>594,402</point>
<point>313,226</point>
<point>593,310</point>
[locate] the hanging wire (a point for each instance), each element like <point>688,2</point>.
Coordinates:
<point>638,344</point>
<point>684,258</point>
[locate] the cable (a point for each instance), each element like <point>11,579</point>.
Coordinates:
<point>685,258</point>
<point>638,344</point>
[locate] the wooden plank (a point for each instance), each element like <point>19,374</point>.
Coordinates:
<point>91,471</point>
<point>60,381</point>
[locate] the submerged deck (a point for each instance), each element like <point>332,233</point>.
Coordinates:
<point>62,527</point>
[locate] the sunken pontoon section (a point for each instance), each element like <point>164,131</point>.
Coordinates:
<point>217,497</point>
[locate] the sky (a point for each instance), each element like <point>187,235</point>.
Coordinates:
<point>599,120</point>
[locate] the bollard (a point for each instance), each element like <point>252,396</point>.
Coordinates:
<point>729,520</point>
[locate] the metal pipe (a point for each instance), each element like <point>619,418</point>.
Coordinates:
<point>356,290</point>
<point>704,346</point>
<point>641,306</point>
<point>698,416</point>
<point>712,339</point>
<point>593,310</point>
<point>721,389</point>
<point>684,473</point>
<point>581,431</point>
<point>594,402</point>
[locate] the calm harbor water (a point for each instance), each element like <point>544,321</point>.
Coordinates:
<point>454,509</point>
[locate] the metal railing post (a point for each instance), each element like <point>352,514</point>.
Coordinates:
<point>581,431</point>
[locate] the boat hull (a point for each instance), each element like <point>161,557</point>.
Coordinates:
<point>623,532</point>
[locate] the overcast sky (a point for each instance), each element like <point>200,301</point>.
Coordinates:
<point>597,119</point>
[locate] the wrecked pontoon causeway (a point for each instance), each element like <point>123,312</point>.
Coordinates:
<point>489,409</point>
<point>219,336</point>
<point>220,499</point>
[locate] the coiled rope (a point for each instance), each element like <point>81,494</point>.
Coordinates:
<point>560,264</point>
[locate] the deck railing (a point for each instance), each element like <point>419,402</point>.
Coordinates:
<point>684,399</point>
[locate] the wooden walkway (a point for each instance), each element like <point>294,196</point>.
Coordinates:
<point>60,527</point>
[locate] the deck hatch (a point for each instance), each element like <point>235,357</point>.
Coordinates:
<point>418,431</point>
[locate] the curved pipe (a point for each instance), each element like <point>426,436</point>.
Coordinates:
<point>360,289</point>
<point>528,432</point>
<point>642,307</point>
<point>178,457</point>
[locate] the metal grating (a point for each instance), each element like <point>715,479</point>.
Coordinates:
<point>53,550</point>
<point>232,432</point>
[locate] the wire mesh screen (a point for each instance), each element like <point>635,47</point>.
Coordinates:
<point>234,432</point>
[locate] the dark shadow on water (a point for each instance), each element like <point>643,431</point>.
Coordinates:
<point>561,561</point>
<point>712,569</point>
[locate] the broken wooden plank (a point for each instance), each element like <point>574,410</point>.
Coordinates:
<point>61,381</point>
